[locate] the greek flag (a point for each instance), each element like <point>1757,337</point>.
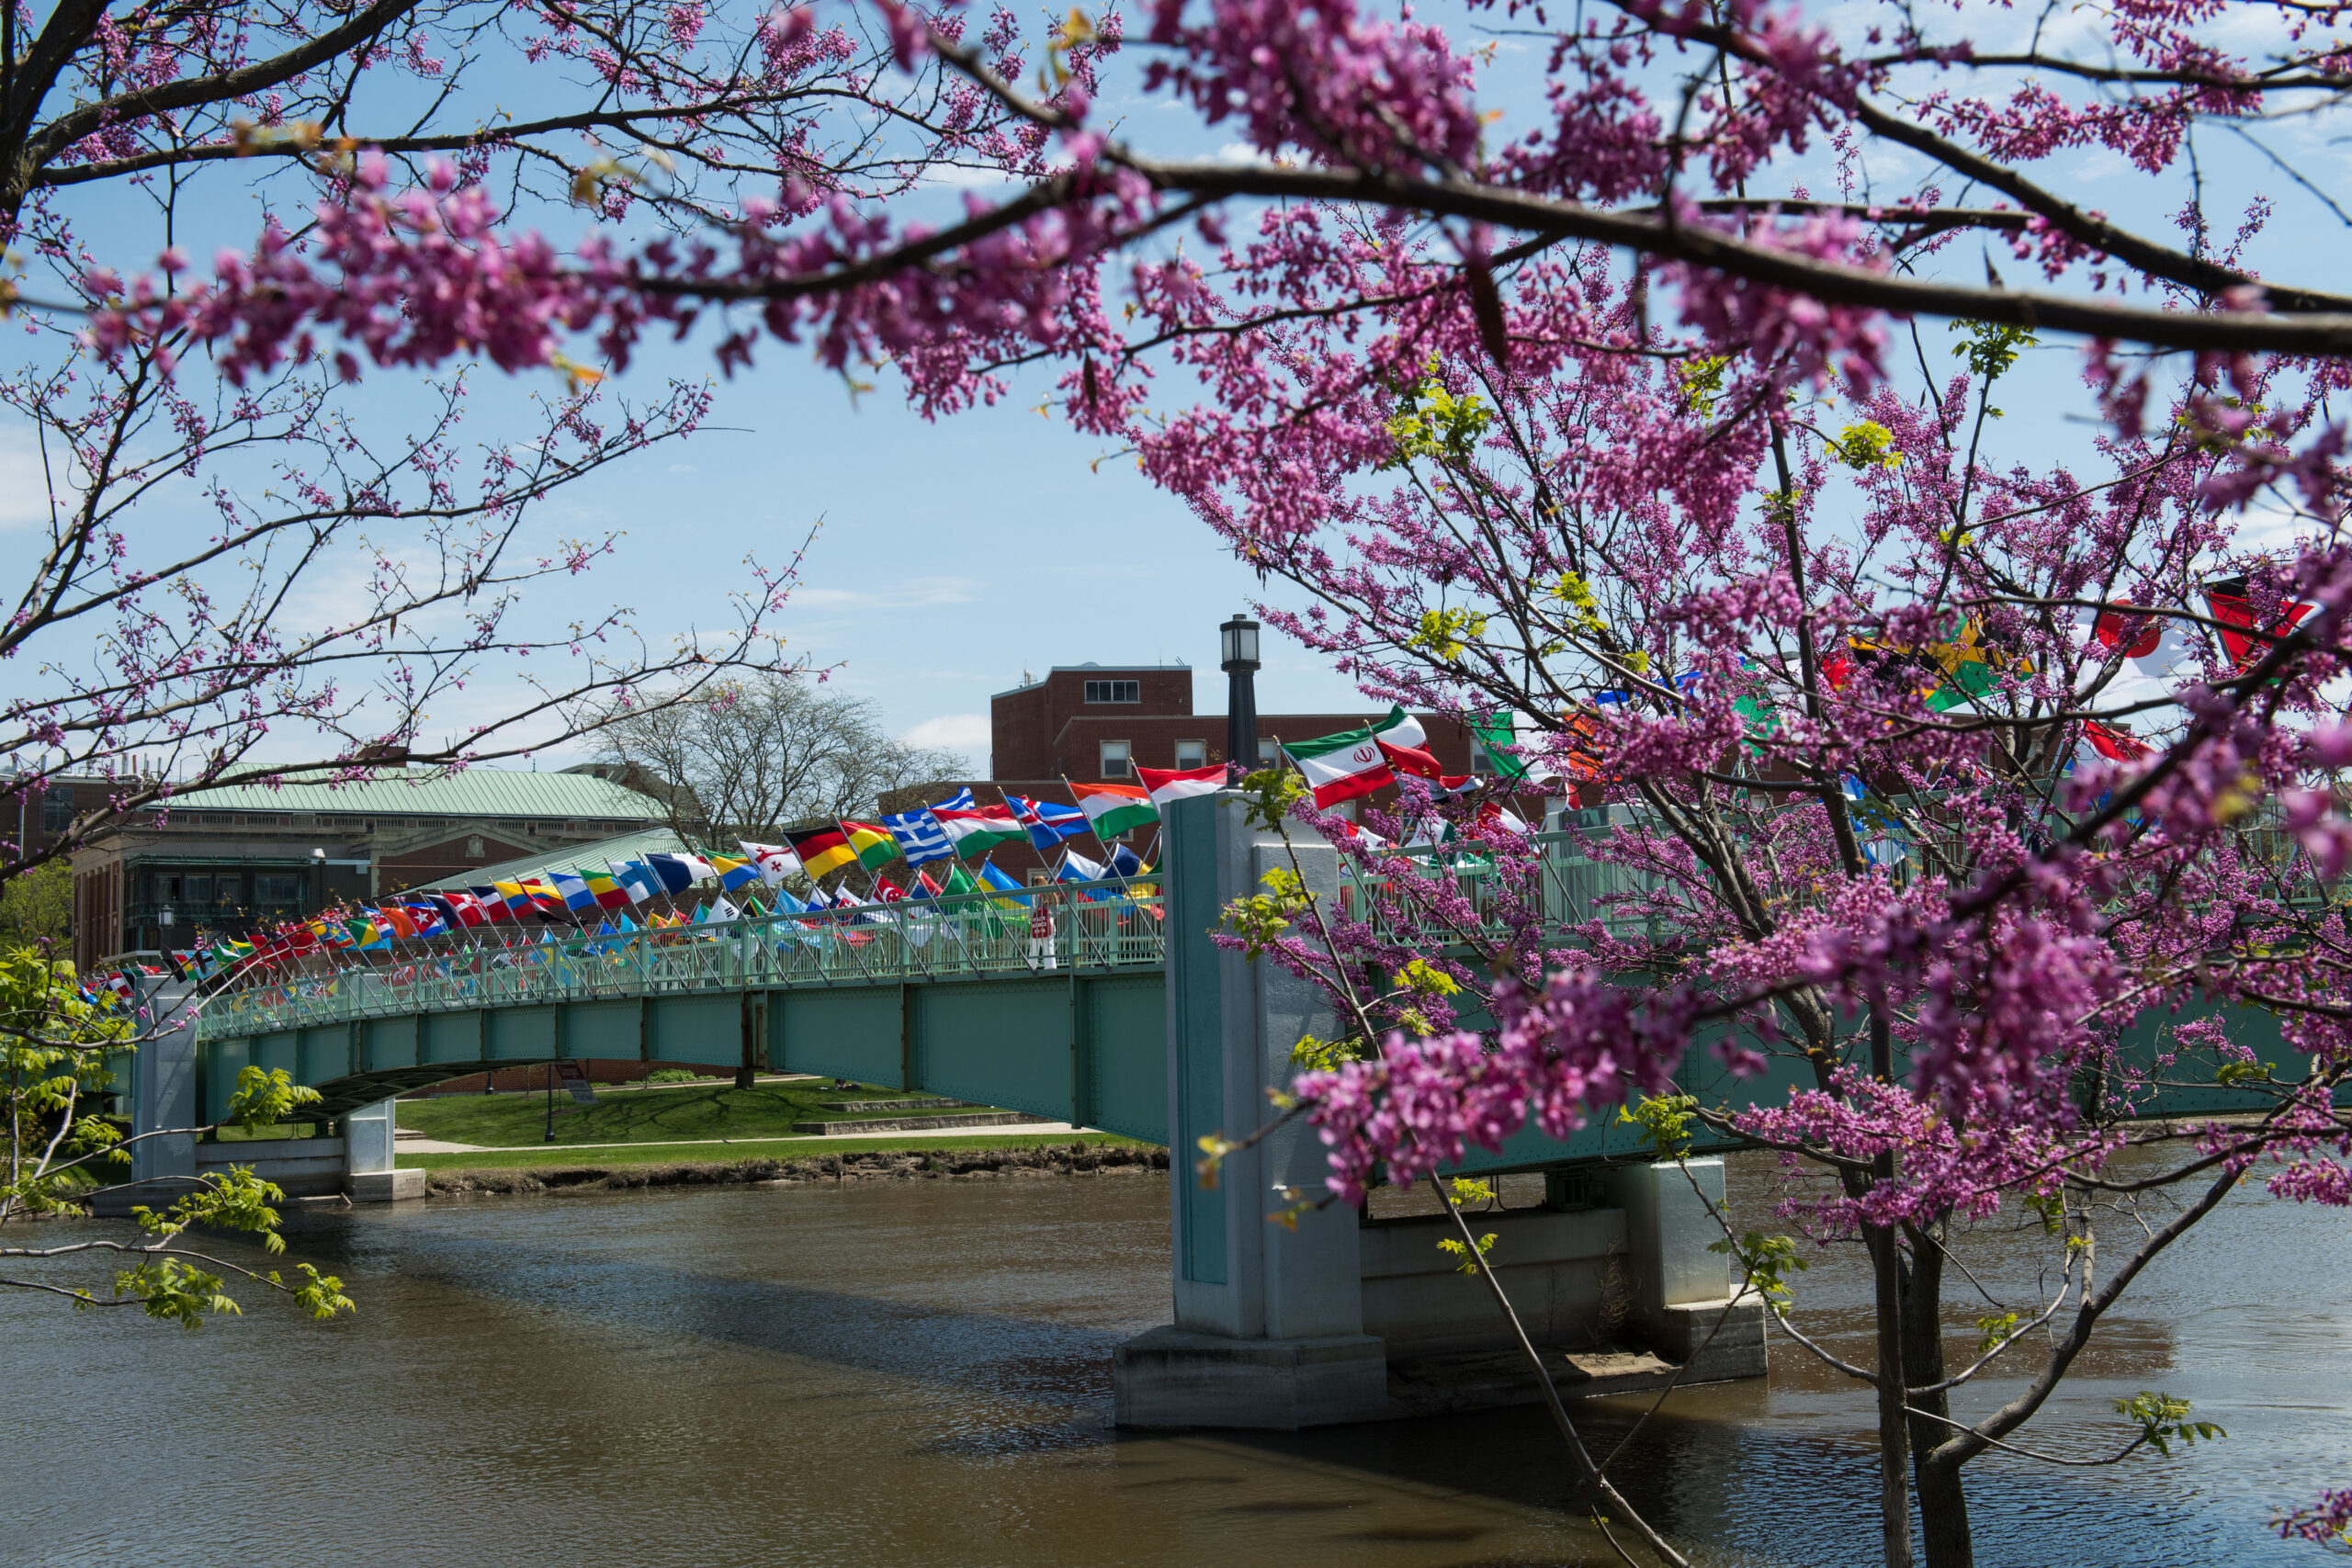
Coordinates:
<point>920,838</point>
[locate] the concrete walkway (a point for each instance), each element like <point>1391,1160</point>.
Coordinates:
<point>1029,1129</point>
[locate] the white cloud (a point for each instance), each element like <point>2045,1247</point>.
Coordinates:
<point>24,486</point>
<point>964,732</point>
<point>907,593</point>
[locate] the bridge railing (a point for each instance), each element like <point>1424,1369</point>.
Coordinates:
<point>1098,925</point>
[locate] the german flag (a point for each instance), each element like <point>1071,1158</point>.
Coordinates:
<point>823,850</point>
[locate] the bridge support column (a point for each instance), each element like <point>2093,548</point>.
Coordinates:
<point>369,1176</point>
<point>1269,1329</point>
<point>1680,1290</point>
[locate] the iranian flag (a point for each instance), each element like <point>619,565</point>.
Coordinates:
<point>1112,809</point>
<point>1341,767</point>
<point>1165,784</point>
<point>1406,745</point>
<point>980,830</point>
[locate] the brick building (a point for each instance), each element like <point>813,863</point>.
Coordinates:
<point>231,859</point>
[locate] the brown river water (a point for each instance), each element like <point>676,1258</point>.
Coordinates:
<point>918,1372</point>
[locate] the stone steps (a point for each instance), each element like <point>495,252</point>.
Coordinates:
<point>916,1124</point>
<point>927,1104</point>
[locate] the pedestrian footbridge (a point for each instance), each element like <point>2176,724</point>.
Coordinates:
<point>1130,1019</point>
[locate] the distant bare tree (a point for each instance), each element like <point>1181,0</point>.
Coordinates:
<point>748,758</point>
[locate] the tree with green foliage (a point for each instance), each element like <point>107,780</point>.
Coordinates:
<point>59,1047</point>
<point>37,906</point>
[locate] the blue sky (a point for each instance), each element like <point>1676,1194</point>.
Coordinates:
<point>954,556</point>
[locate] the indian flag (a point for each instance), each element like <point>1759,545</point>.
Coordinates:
<point>980,830</point>
<point>1341,767</point>
<point>1165,784</point>
<point>1112,809</point>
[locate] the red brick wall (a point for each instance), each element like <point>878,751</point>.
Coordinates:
<point>437,861</point>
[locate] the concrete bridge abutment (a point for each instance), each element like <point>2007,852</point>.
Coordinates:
<point>1337,1319</point>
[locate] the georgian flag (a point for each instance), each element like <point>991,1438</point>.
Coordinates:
<point>775,861</point>
<point>1341,767</point>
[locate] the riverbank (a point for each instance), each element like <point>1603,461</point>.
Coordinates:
<point>801,1167</point>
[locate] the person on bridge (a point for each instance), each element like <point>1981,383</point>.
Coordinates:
<point>1041,932</point>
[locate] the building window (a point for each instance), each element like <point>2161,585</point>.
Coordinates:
<point>198,889</point>
<point>1192,753</point>
<point>1115,690</point>
<point>225,888</point>
<point>1114,760</point>
<point>275,890</point>
<point>57,808</point>
<point>216,818</point>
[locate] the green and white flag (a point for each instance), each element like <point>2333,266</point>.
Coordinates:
<point>1341,767</point>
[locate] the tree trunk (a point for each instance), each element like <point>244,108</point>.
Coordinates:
<point>1895,1510</point>
<point>1943,1506</point>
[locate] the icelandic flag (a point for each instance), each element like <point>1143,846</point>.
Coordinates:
<point>1049,824</point>
<point>920,838</point>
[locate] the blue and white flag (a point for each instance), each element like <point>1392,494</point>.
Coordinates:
<point>1124,861</point>
<point>920,838</point>
<point>1076,867</point>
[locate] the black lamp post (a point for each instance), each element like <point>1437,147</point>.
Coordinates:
<point>1238,649</point>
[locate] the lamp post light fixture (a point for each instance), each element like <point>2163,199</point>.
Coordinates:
<point>1237,650</point>
<point>317,880</point>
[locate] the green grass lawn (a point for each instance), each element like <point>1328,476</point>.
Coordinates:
<point>720,1154</point>
<point>713,1110</point>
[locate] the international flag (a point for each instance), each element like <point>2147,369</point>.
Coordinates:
<point>607,892</point>
<point>2231,598</point>
<point>734,872</point>
<point>2110,743</point>
<point>1048,823</point>
<point>823,850</point>
<point>1495,731</point>
<point>1406,745</point>
<point>1166,784</point>
<point>1076,867</point>
<point>427,918</point>
<point>1126,863</point>
<point>125,990</point>
<point>466,909</point>
<point>875,846</point>
<point>1003,882</point>
<point>637,879</point>
<point>1341,767</point>
<point>720,912</point>
<point>573,891</point>
<point>1113,809</point>
<point>403,923</point>
<point>980,830</point>
<point>775,861</point>
<point>678,872</point>
<point>818,901</point>
<point>546,902</point>
<point>2157,654</point>
<point>958,881</point>
<point>920,839</point>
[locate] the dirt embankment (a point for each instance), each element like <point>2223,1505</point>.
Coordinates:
<point>969,1165</point>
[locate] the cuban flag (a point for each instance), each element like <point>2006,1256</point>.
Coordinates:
<point>1049,824</point>
<point>920,838</point>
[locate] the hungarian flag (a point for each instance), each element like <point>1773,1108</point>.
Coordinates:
<point>823,850</point>
<point>1406,745</point>
<point>2231,601</point>
<point>874,845</point>
<point>775,862</point>
<point>1113,809</point>
<point>1180,784</point>
<point>1341,767</point>
<point>978,829</point>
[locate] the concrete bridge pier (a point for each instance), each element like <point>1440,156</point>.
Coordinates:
<point>160,1091</point>
<point>1335,1319</point>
